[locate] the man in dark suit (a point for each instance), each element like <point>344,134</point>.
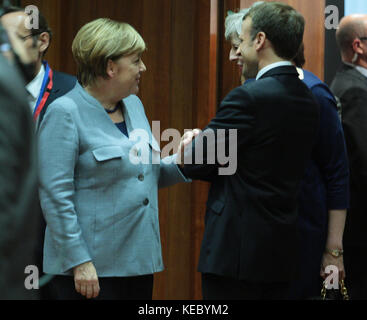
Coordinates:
<point>249,250</point>
<point>18,186</point>
<point>350,87</point>
<point>45,87</point>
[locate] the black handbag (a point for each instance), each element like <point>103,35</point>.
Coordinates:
<point>334,294</point>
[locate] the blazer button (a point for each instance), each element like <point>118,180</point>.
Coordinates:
<point>141,177</point>
<point>146,202</point>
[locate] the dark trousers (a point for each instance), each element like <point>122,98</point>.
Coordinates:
<point>222,288</point>
<point>119,288</point>
<point>355,263</point>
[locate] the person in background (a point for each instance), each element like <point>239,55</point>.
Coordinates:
<point>233,26</point>
<point>44,85</point>
<point>324,195</point>
<point>350,87</point>
<point>98,194</point>
<point>47,85</point>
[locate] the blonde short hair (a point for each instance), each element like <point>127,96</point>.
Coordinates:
<point>100,41</point>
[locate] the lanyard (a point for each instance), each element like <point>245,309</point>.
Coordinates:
<point>45,92</point>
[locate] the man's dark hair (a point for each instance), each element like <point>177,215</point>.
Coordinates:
<point>42,27</point>
<point>299,60</point>
<point>281,23</point>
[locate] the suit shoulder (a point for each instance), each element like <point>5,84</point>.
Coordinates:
<point>61,76</point>
<point>349,77</point>
<point>348,83</point>
<point>241,93</point>
<point>64,82</point>
<point>319,88</point>
<point>263,88</point>
<point>311,80</point>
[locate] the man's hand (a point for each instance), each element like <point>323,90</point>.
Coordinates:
<point>86,280</point>
<point>329,260</point>
<point>185,141</point>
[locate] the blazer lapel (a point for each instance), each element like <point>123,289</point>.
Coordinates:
<point>127,116</point>
<point>135,121</point>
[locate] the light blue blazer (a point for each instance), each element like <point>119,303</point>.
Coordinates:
<point>100,202</point>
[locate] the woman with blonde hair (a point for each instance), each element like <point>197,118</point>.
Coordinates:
<point>99,199</point>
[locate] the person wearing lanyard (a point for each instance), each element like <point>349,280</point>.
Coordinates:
<point>45,87</point>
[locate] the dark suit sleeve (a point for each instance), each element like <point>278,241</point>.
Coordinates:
<point>330,151</point>
<point>10,158</point>
<point>354,115</point>
<point>215,151</point>
<point>18,174</point>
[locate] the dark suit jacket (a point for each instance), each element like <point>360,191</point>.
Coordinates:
<point>62,84</point>
<point>18,186</point>
<point>324,187</point>
<point>350,86</point>
<point>251,216</point>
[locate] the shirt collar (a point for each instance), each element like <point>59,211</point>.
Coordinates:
<point>358,68</point>
<point>362,70</point>
<point>272,66</point>
<point>34,87</point>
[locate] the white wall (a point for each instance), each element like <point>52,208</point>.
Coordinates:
<point>355,6</point>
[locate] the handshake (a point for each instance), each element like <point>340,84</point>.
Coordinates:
<point>186,140</point>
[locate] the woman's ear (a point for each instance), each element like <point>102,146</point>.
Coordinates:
<point>111,69</point>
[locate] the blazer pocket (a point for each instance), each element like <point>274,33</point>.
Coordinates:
<point>216,206</point>
<point>107,153</point>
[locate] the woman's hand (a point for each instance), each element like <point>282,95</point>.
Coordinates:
<point>328,260</point>
<point>86,280</point>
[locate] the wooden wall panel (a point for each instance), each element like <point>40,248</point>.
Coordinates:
<point>205,105</point>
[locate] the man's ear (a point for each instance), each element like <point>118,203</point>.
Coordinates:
<point>260,41</point>
<point>44,41</point>
<point>357,46</point>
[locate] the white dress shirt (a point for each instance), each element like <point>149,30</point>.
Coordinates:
<point>362,70</point>
<point>34,88</point>
<point>272,66</point>
<point>358,68</point>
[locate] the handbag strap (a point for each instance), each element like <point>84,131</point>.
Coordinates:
<point>343,290</point>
